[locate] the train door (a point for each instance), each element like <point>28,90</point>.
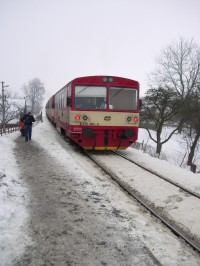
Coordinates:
<point>68,108</point>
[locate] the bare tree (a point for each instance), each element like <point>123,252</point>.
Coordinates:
<point>178,68</point>
<point>34,95</point>
<point>12,108</point>
<point>178,71</point>
<point>159,107</point>
<point>193,126</point>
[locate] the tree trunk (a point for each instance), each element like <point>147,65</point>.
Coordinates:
<point>180,128</point>
<point>193,168</point>
<point>158,148</point>
<point>192,149</point>
<point>159,145</point>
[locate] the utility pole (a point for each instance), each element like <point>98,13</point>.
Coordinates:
<point>25,107</point>
<point>3,107</point>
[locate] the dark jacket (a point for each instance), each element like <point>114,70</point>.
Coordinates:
<point>28,119</point>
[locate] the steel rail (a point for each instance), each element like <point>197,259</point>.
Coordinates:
<point>160,176</point>
<point>173,228</point>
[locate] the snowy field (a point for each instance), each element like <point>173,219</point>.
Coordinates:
<point>13,193</point>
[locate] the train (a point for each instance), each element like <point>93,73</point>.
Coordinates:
<point>97,112</point>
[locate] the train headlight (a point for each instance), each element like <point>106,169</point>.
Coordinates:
<point>108,79</point>
<point>132,119</point>
<point>77,117</point>
<point>85,117</point>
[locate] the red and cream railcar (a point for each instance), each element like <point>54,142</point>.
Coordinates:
<point>50,109</point>
<point>97,112</point>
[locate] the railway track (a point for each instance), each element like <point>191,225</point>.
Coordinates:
<point>107,164</point>
<point>160,176</point>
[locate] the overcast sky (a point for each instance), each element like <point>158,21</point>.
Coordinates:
<point>59,40</point>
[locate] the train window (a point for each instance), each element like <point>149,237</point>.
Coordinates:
<point>63,98</point>
<point>69,96</point>
<point>69,91</point>
<point>123,98</point>
<point>68,101</point>
<point>59,100</point>
<point>56,101</point>
<point>53,102</point>
<point>89,96</point>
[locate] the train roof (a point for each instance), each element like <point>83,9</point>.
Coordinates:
<point>103,79</point>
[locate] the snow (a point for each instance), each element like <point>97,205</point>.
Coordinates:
<point>13,212</point>
<point>14,198</point>
<point>176,174</point>
<point>174,151</point>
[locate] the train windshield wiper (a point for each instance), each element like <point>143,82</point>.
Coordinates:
<point>117,92</point>
<point>82,90</point>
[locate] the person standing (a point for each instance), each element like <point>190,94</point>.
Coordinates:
<point>28,120</point>
<point>21,127</point>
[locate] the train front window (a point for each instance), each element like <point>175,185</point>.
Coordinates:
<point>123,98</point>
<point>90,97</point>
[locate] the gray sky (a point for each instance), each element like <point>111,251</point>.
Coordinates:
<point>59,40</point>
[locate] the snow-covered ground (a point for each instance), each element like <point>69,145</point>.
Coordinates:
<point>13,212</point>
<point>175,151</point>
<point>13,192</point>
